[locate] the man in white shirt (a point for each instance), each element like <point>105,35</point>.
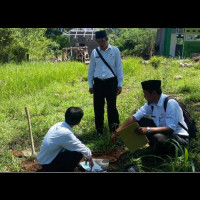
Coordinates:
<point>61,150</point>
<point>164,125</point>
<point>105,82</point>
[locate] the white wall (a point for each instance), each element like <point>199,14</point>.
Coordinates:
<point>173,45</point>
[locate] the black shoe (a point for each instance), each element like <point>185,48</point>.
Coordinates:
<point>99,133</point>
<point>131,168</point>
<point>80,168</point>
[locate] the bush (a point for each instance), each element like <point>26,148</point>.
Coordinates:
<point>156,61</point>
<point>17,53</point>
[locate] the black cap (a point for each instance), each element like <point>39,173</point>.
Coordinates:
<point>151,85</point>
<point>100,34</point>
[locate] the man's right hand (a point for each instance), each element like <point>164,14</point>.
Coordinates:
<point>90,160</point>
<point>91,91</point>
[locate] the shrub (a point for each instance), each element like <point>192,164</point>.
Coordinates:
<point>156,61</point>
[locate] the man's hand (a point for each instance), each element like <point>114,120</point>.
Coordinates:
<point>90,161</point>
<point>91,91</point>
<point>114,137</point>
<point>142,131</point>
<point>119,90</point>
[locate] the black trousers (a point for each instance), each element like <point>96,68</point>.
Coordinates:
<point>105,90</point>
<point>162,142</point>
<point>65,161</point>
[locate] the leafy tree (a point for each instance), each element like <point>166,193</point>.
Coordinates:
<point>6,39</point>
<point>29,40</point>
<point>56,34</point>
<point>17,42</point>
<point>136,42</point>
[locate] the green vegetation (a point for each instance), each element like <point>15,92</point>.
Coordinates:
<point>46,43</point>
<point>134,41</point>
<point>156,61</point>
<point>39,43</point>
<point>48,89</point>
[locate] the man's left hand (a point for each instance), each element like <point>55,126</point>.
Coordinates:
<point>142,131</point>
<point>119,90</point>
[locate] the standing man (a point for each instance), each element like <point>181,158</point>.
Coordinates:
<point>105,77</point>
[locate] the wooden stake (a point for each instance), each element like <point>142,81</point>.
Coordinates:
<point>30,130</point>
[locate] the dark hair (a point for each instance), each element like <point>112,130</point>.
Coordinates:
<point>73,115</point>
<point>158,91</point>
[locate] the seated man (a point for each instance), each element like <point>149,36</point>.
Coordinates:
<point>164,125</point>
<point>61,150</point>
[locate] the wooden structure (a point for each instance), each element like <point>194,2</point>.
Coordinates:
<point>83,37</point>
<point>76,53</point>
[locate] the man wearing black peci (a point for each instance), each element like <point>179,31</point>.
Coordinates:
<point>166,124</point>
<point>105,77</point>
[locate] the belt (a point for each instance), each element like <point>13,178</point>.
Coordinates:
<point>96,78</point>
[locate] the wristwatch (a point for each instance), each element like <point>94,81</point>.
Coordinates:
<point>148,130</point>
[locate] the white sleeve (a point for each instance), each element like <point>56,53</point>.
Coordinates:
<point>91,70</point>
<point>172,112</point>
<point>144,111</point>
<point>72,143</point>
<point>119,68</point>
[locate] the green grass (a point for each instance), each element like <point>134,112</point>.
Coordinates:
<point>48,89</point>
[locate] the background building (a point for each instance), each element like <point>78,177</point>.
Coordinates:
<point>178,42</point>
<point>83,37</point>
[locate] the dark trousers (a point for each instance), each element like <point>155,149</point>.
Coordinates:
<point>105,90</point>
<point>65,161</point>
<point>162,142</point>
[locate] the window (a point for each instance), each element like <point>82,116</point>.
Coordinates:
<point>173,30</point>
<point>180,30</point>
<point>193,37</point>
<point>197,37</point>
<point>190,37</point>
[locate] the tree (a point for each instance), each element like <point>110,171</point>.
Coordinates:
<point>6,38</point>
<point>56,34</point>
<point>17,42</point>
<point>136,42</point>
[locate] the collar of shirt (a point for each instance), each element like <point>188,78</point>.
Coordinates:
<point>66,125</point>
<point>109,47</point>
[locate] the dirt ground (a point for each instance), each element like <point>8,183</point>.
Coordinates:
<point>30,164</point>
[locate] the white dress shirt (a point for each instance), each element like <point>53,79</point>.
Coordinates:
<point>58,138</point>
<point>98,69</point>
<point>170,118</point>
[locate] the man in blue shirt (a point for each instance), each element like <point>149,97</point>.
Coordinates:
<point>105,83</point>
<point>164,125</point>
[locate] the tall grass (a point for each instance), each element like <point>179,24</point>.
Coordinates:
<point>28,78</point>
<point>48,89</point>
